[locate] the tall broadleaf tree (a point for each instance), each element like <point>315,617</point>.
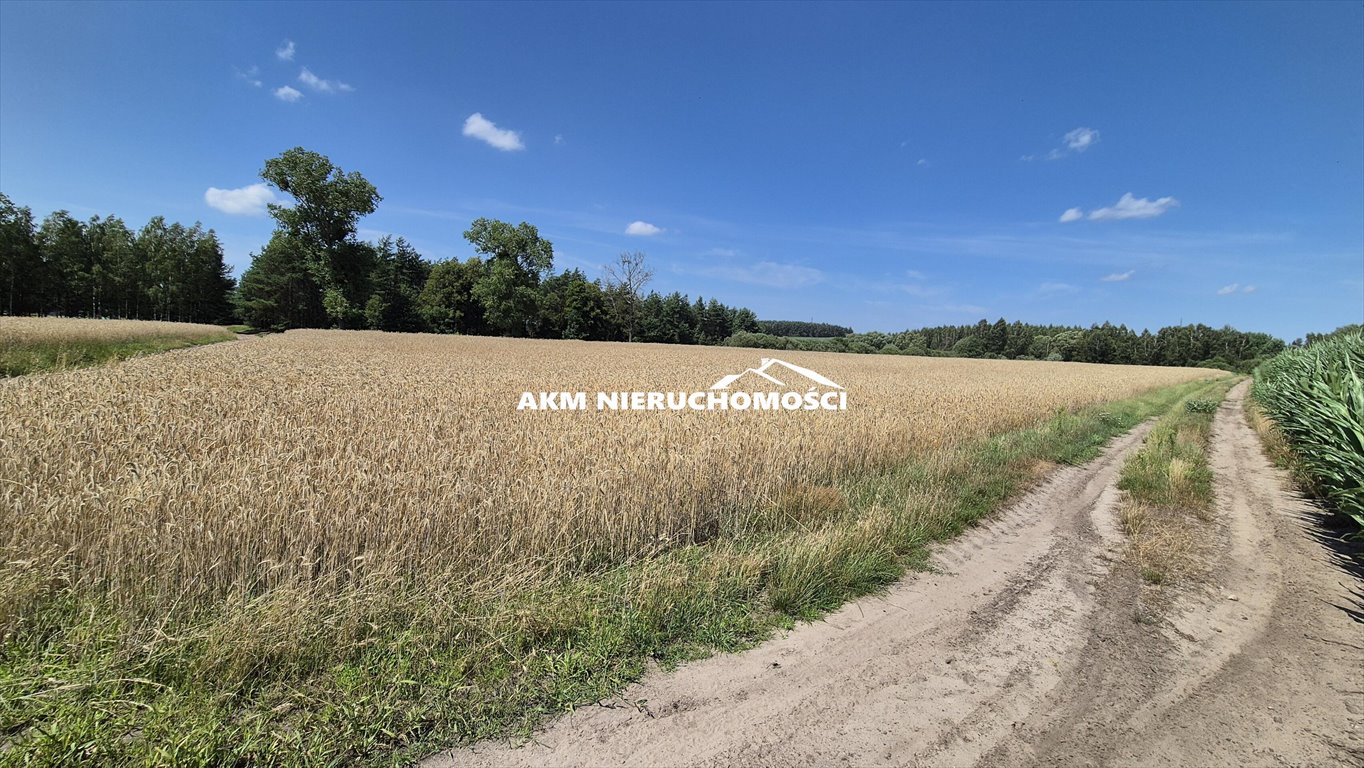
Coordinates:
<point>328,204</point>
<point>517,260</point>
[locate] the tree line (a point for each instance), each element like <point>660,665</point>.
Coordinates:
<point>1183,345</point>
<point>101,268</point>
<point>803,328</point>
<point>315,273</point>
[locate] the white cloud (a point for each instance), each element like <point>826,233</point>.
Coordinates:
<point>479,127</point>
<point>768,273</point>
<point>558,139</point>
<point>923,162</point>
<point>1081,139</point>
<point>1248,289</point>
<point>322,86</point>
<point>1226,289</point>
<point>245,201</point>
<point>285,52</point>
<point>1118,277</point>
<point>642,229</point>
<point>1073,143</point>
<point>285,93</point>
<point>1127,207</point>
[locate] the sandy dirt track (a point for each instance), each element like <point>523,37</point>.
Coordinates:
<point>1032,645</point>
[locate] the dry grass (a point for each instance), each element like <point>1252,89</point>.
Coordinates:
<point>254,510</point>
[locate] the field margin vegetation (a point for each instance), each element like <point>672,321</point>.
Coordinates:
<point>74,689</point>
<point>35,345</point>
<point>1167,505</point>
<point>1309,412</point>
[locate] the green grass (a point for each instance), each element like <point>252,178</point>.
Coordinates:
<point>1169,487</point>
<point>22,358</point>
<point>75,689</point>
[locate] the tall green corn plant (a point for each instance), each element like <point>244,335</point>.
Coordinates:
<point>1316,397</point>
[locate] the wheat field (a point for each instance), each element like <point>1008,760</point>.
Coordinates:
<point>254,513</point>
<point>288,459</point>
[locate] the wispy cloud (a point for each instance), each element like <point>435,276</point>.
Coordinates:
<point>558,139</point>
<point>286,51</point>
<point>1056,289</point>
<point>244,201</point>
<point>287,94</point>
<point>1077,141</point>
<point>1118,277</point>
<point>251,76</point>
<point>642,229</point>
<point>1127,207</point>
<point>923,162</point>
<point>320,85</point>
<point>479,127</point>
<point>1227,290</point>
<point>1073,143</point>
<point>767,273</point>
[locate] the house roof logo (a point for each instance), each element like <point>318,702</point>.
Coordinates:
<point>770,366</point>
<point>775,385</point>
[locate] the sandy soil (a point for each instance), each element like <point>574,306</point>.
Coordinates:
<point>1033,645</point>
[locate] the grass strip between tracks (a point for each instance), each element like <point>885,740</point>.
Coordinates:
<point>1167,508</point>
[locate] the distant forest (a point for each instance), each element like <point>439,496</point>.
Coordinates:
<point>315,273</point>
<point>1184,345</point>
<point>803,328</point>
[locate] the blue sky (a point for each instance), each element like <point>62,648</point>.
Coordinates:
<point>881,166</point>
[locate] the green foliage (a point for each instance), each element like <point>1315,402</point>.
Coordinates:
<point>800,328</point>
<point>517,260</point>
<point>1191,345</point>
<point>101,269</point>
<point>320,226</point>
<point>21,264</point>
<point>278,290</point>
<point>397,282</point>
<point>574,307</point>
<point>447,301</point>
<point>18,359</point>
<point>760,341</point>
<point>1315,395</point>
<point>1171,470</point>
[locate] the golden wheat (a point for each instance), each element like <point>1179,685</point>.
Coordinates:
<point>302,460</point>
<point>58,330</point>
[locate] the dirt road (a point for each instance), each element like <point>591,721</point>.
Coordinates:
<point>1032,646</point>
